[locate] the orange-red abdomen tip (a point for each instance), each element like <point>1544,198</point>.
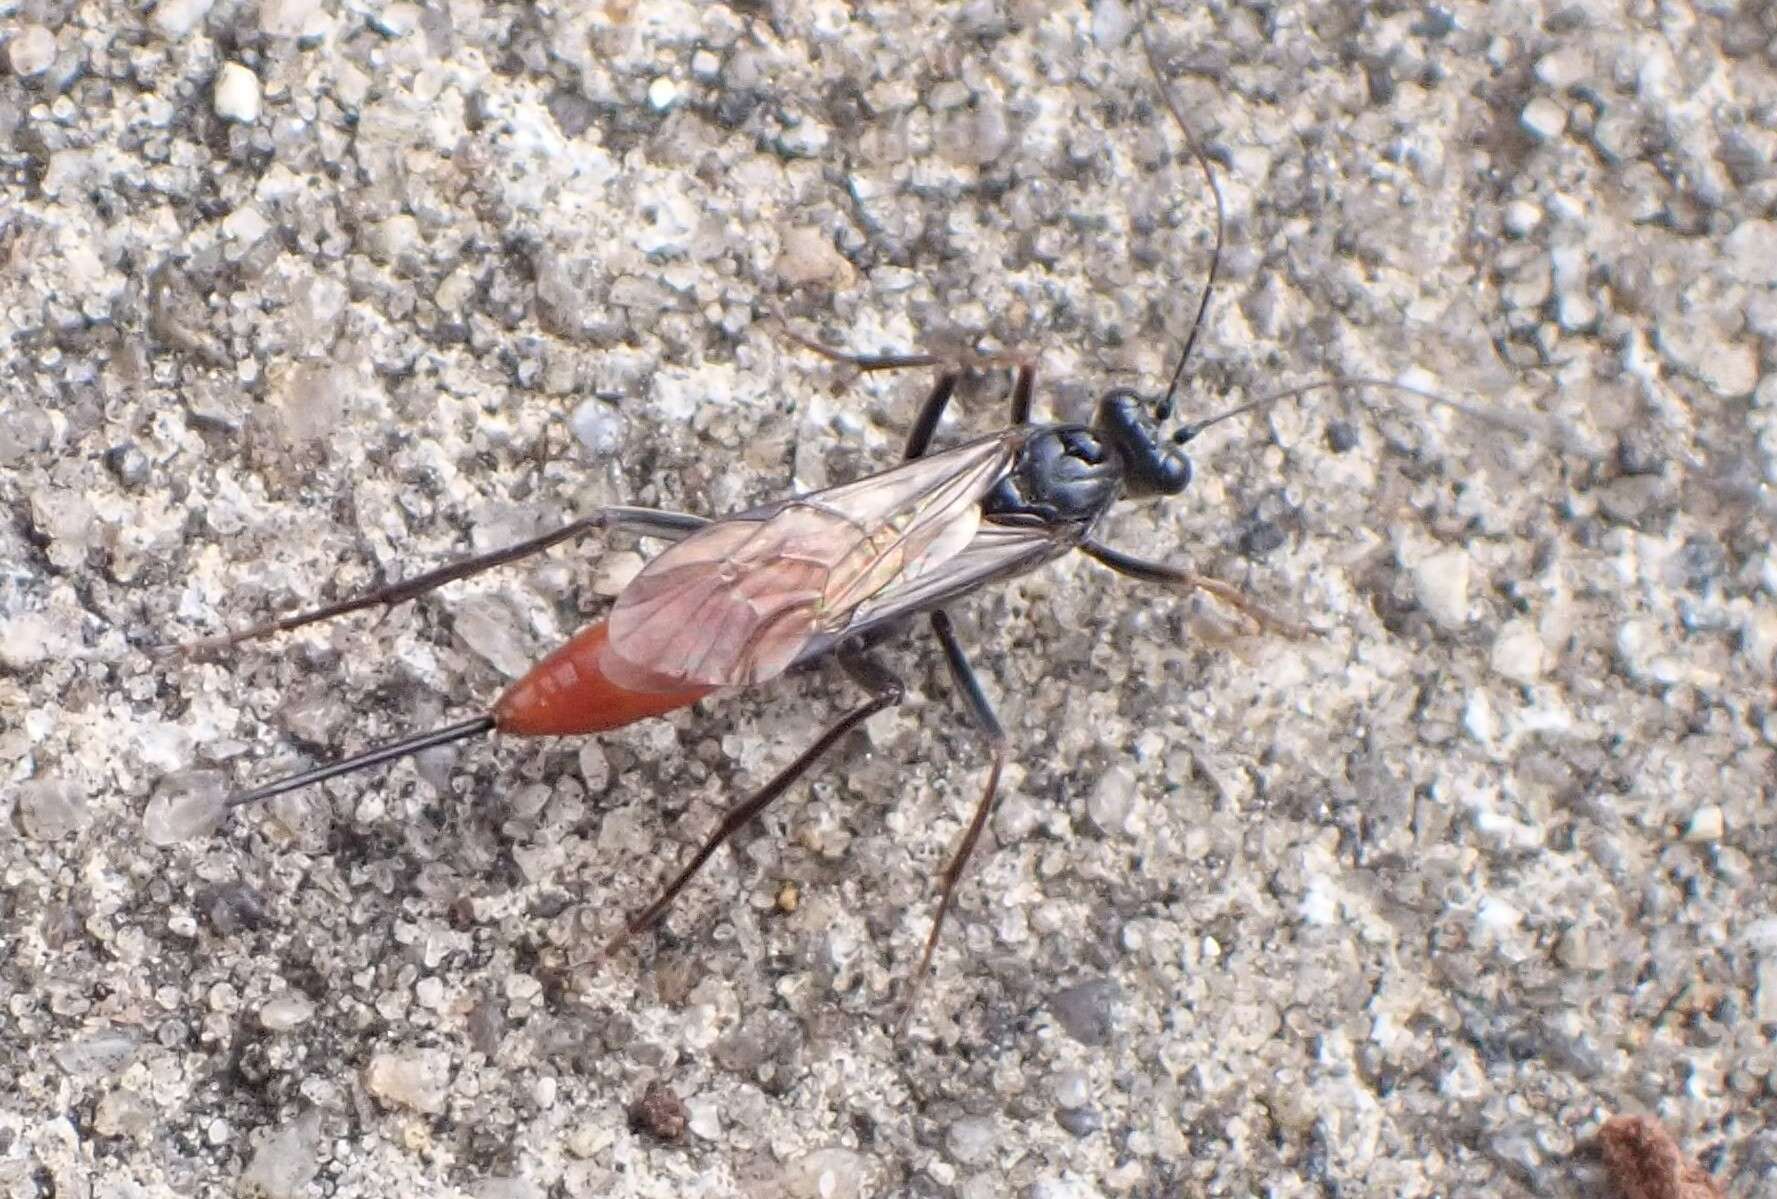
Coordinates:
<point>570,692</point>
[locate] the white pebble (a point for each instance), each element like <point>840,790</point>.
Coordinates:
<point>1518,652</point>
<point>1750,252</point>
<point>1706,824</point>
<point>598,427</point>
<point>287,18</point>
<point>285,1010</point>
<point>237,94</point>
<point>1543,119</point>
<point>1521,217</point>
<point>1441,581</point>
<point>419,1079</point>
<point>176,18</point>
<point>31,51</point>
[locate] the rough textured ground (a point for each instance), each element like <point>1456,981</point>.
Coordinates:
<point>302,295</point>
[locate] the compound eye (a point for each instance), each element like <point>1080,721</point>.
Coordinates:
<point>1172,473</point>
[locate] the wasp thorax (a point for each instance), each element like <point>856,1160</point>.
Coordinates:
<point>1153,465</point>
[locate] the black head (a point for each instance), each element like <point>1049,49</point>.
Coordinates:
<point>1153,462</point>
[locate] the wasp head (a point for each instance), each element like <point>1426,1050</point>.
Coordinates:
<point>1155,464</point>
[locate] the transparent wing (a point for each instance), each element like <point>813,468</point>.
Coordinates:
<point>997,552</point>
<point>737,602</point>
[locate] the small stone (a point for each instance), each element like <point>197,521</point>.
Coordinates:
<point>808,257</point>
<point>31,51</point>
<point>417,1079</point>
<point>595,768</point>
<point>390,239</point>
<point>286,1162</point>
<point>598,427</point>
<point>237,94</point>
<point>184,807</point>
<point>662,93</point>
<point>1079,1121</point>
<point>1518,652</point>
<point>1086,1010</point>
<point>825,1174</point>
<point>287,18</point>
<point>1071,1088</point>
<point>1764,995</point>
<point>1441,581</point>
<point>1706,824</point>
<point>1727,365</point>
<point>50,809</point>
<point>285,1011</point>
<point>176,18</point>
<point>1521,217</point>
<point>123,1113</point>
<point>1543,119</point>
<point>491,629</point>
<point>1111,802</point>
<point>1750,252</point>
<point>971,1140</point>
<point>659,1112</point>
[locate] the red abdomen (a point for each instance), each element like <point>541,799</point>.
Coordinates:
<point>569,692</point>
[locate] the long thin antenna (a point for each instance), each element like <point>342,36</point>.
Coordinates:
<point>367,759</point>
<point>1512,424</point>
<point>1163,410</point>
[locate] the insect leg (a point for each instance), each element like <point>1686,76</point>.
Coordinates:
<point>919,438</point>
<point>670,526</point>
<point>932,410</point>
<point>886,692</point>
<point>981,713</point>
<point>1176,579</point>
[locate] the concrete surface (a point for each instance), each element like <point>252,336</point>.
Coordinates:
<point>302,295</point>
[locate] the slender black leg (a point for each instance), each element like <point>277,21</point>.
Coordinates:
<point>1022,384</point>
<point>863,362</point>
<point>932,410</point>
<point>981,713</point>
<point>646,521</point>
<point>885,691</point>
<point>919,438</point>
<point>1175,579</point>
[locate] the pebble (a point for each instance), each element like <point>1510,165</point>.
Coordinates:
<point>662,93</point>
<point>970,1140</point>
<point>285,1011</point>
<point>50,809</point>
<point>1728,366</point>
<point>1518,652</point>
<point>31,51</point>
<point>1085,1012</point>
<point>1521,217</point>
<point>1111,801</point>
<point>1543,119</point>
<point>185,806</point>
<point>825,1174</point>
<point>1441,581</point>
<point>417,1079</point>
<point>808,257</point>
<point>1750,252</point>
<point>286,1162</point>
<point>176,18</point>
<point>598,427</point>
<point>1706,824</point>
<point>286,18</point>
<point>237,94</point>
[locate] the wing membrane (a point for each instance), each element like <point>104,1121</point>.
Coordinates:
<point>737,602</point>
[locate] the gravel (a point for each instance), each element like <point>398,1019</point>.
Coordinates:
<point>303,296</point>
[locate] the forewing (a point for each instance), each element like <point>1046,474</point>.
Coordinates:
<point>737,602</point>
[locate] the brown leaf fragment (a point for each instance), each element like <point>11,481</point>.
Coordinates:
<point>1644,1162</point>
